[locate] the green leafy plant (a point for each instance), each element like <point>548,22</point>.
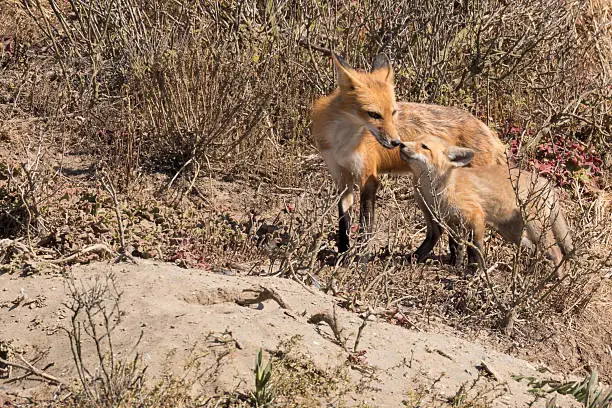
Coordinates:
<point>586,391</point>
<point>264,392</point>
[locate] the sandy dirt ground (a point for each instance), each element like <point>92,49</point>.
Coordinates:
<point>185,314</point>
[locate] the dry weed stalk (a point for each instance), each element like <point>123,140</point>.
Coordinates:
<point>26,179</point>
<point>362,326</point>
<point>110,188</point>
<point>188,81</point>
<point>96,313</point>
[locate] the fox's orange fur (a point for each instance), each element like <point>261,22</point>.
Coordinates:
<point>452,195</point>
<point>356,126</point>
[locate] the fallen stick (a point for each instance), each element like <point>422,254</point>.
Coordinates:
<point>263,294</point>
<point>29,368</point>
<point>332,320</point>
<point>92,248</point>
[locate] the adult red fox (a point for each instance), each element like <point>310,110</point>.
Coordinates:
<point>356,127</point>
<point>453,197</point>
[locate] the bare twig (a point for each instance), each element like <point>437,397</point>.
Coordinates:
<point>307,44</point>
<point>361,327</point>
<point>86,250</point>
<point>108,185</point>
<point>263,294</point>
<point>29,368</point>
<point>332,320</point>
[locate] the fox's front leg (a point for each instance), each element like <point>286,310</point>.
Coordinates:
<point>433,229</point>
<point>344,216</point>
<point>368,188</point>
<point>431,239</point>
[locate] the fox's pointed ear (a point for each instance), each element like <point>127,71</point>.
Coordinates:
<point>346,77</point>
<point>460,156</point>
<point>382,66</point>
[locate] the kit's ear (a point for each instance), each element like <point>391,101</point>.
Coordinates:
<point>460,156</point>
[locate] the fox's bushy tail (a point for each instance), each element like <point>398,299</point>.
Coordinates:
<point>561,229</point>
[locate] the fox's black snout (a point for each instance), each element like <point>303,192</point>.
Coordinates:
<point>382,137</point>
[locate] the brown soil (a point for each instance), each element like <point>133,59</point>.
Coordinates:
<point>184,312</point>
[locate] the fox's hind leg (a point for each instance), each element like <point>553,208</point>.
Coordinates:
<point>544,239</point>
<point>476,221</point>
<point>457,251</point>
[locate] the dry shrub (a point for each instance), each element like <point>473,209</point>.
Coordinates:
<point>518,294</point>
<point>108,377</point>
<point>173,85</point>
<point>222,90</point>
<point>225,87</point>
<point>29,188</point>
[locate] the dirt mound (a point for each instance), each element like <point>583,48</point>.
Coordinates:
<point>224,319</point>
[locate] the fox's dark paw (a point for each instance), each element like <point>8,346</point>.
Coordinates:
<point>417,258</point>
<point>471,269</point>
<point>327,257</point>
<point>364,257</point>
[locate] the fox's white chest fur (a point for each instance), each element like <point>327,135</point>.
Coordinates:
<point>431,193</point>
<point>344,135</point>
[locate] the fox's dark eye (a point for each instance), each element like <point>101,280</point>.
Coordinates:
<point>394,113</point>
<point>424,146</point>
<point>374,115</point>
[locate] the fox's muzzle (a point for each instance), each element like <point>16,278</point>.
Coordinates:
<point>406,153</point>
<point>382,137</point>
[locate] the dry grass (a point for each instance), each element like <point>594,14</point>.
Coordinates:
<point>198,115</point>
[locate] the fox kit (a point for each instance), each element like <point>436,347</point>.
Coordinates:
<point>358,125</point>
<point>451,195</point>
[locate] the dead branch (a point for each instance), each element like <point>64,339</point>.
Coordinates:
<point>7,243</point>
<point>86,250</point>
<point>332,320</point>
<point>361,327</point>
<point>29,368</point>
<point>306,44</point>
<point>263,294</point>
<point>108,185</point>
